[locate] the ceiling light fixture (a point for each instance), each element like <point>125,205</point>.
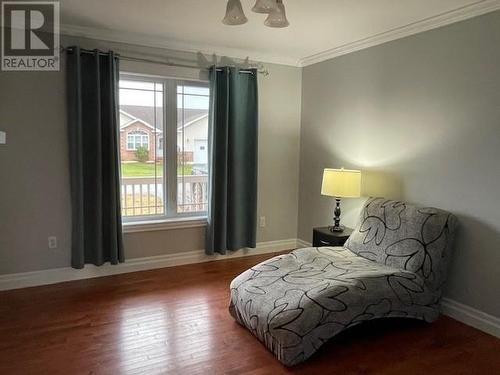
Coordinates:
<point>274,8</point>
<point>277,17</point>
<point>264,6</point>
<point>234,14</point>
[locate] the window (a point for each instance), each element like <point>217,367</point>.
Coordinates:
<point>192,161</point>
<point>164,169</point>
<point>136,139</point>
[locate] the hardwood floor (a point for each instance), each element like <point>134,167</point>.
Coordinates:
<point>175,320</point>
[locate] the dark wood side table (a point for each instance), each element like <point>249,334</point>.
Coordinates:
<point>322,236</point>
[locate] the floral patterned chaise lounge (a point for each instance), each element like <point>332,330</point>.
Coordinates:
<point>393,265</point>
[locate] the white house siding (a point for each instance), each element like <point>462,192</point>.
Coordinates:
<point>195,131</point>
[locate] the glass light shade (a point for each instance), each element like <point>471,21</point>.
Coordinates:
<point>341,183</point>
<point>264,6</point>
<point>277,17</point>
<point>234,14</point>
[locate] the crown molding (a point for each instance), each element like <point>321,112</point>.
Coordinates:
<point>457,15</point>
<point>165,43</point>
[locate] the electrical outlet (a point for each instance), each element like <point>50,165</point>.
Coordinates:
<point>262,221</point>
<point>52,242</point>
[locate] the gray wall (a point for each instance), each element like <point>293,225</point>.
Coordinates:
<point>34,188</point>
<point>421,117</point>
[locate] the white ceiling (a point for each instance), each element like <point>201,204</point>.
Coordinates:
<point>319,29</point>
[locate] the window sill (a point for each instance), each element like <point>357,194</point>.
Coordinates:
<point>166,224</point>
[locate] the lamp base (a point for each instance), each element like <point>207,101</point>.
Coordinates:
<point>336,228</point>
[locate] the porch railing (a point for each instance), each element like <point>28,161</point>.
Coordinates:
<point>141,196</point>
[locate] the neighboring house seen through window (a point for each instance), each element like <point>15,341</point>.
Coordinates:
<point>163,135</point>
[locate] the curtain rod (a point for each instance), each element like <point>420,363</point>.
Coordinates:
<point>262,71</point>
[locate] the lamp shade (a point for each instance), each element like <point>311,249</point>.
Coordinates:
<point>234,14</point>
<point>341,183</point>
<point>264,6</point>
<point>277,16</point>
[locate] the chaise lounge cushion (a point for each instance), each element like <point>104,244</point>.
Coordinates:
<point>295,302</point>
<point>404,236</point>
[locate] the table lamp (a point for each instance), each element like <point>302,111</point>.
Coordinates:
<point>340,183</point>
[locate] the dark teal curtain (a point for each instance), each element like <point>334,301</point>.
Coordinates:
<point>233,126</point>
<point>92,87</point>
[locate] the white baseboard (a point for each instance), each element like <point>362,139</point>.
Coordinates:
<point>471,316</point>
<point>302,243</point>
<point>57,275</point>
<point>456,310</point>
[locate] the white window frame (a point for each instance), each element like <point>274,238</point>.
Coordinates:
<point>170,216</point>
<point>134,133</point>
